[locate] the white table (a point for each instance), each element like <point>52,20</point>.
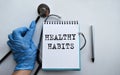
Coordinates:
<point>104,15</point>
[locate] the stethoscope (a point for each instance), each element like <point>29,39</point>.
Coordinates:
<point>43,12</point>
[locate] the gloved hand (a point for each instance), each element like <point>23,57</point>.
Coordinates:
<point>23,48</point>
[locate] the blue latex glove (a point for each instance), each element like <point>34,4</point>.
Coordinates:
<point>23,48</point>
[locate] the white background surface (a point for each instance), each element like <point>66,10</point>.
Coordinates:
<point>103,14</point>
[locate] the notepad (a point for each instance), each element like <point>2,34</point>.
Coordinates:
<point>61,46</point>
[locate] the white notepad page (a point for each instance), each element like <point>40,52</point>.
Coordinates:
<point>61,47</point>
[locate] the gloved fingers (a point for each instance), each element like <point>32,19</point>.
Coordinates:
<point>32,25</point>
<point>33,46</point>
<point>19,33</point>
<point>31,30</point>
<point>10,37</point>
<point>10,45</point>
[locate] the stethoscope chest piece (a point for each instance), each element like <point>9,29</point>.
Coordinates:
<point>43,10</point>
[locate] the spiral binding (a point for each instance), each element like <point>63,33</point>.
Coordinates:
<point>61,22</point>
